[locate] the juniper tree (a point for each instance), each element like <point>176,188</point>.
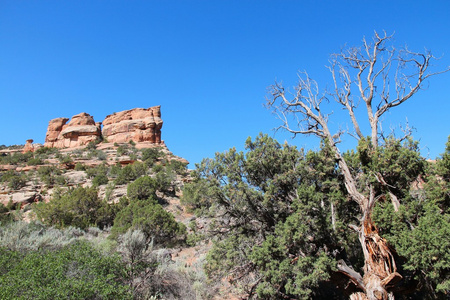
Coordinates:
<point>377,77</point>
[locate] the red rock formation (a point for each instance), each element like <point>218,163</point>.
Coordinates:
<point>138,125</point>
<point>28,146</point>
<point>81,130</point>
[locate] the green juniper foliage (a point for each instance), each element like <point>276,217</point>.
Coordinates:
<point>282,215</point>
<point>79,207</point>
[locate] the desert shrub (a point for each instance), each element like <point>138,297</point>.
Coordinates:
<point>100,180</point>
<point>157,168</point>
<point>14,179</point>
<point>17,182</point>
<point>99,154</point>
<point>115,170</point>
<point>5,176</point>
<point>178,167</point>
<point>77,153</point>
<point>48,174</point>
<point>91,145</point>
<point>23,237</point>
<point>150,155</point>
<point>3,208</point>
<point>130,173</point>
<point>139,168</point>
<point>125,175</point>
<point>80,167</point>
<point>136,254</point>
<point>46,151</point>
<point>76,207</point>
<point>197,196</point>
<point>60,180</point>
<point>65,159</point>
<point>151,273</point>
<point>74,272</point>
<point>122,150</point>
<point>164,180</point>
<point>142,188</point>
<point>97,170</point>
<point>35,161</point>
<point>151,218</point>
<point>5,215</point>
<point>16,158</point>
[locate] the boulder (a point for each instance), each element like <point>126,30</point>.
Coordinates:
<point>81,130</point>
<point>138,125</point>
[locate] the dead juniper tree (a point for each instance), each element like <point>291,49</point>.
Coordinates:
<point>377,77</point>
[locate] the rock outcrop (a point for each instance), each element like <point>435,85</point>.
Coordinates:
<point>81,130</point>
<point>138,125</point>
<point>28,146</point>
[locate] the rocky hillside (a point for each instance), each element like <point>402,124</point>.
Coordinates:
<point>115,181</point>
<point>33,176</point>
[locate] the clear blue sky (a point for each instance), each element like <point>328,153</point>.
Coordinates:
<point>207,63</point>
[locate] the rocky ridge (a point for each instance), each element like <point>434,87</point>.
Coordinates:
<point>137,125</point>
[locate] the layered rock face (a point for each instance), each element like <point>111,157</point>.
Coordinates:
<point>81,130</point>
<point>138,125</point>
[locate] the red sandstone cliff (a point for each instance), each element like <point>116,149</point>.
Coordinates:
<point>81,130</point>
<point>138,125</point>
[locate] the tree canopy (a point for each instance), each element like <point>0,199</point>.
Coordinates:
<point>283,219</point>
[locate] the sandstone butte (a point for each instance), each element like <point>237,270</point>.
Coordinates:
<point>138,125</point>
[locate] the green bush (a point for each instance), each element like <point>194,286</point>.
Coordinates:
<point>35,161</point>
<point>100,179</point>
<point>142,188</point>
<point>130,172</point>
<point>164,180</point>
<point>75,272</point>
<point>14,179</point>
<point>46,151</point>
<point>197,196</point>
<point>115,170</point>
<point>16,158</point>
<point>122,150</point>
<point>91,145</point>
<point>80,167</point>
<point>49,174</point>
<point>76,207</point>
<point>96,171</point>
<point>151,218</point>
<point>139,168</point>
<point>99,154</point>
<point>125,175</point>
<point>150,155</point>
<point>65,159</point>
<point>17,182</point>
<point>5,215</point>
<point>157,168</point>
<point>178,167</point>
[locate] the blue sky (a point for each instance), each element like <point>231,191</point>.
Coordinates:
<point>207,63</point>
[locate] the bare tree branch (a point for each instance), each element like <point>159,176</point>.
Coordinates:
<point>359,75</point>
